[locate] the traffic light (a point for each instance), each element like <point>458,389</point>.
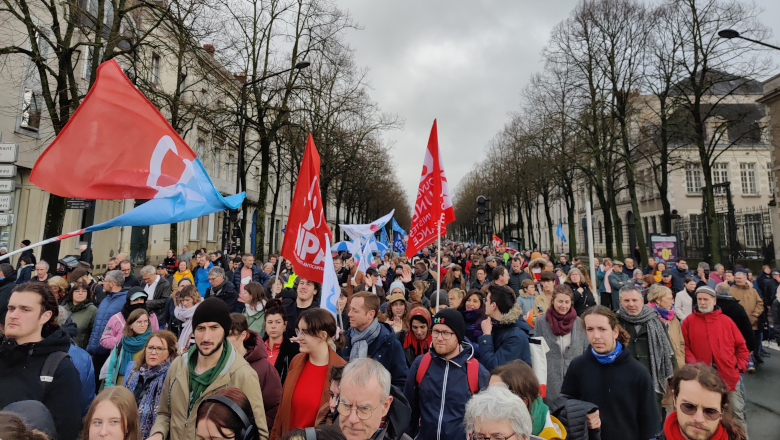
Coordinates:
<point>233,215</point>
<point>481,210</point>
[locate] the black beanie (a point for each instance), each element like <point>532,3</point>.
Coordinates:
<point>452,319</point>
<point>213,310</point>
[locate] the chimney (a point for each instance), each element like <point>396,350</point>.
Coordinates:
<point>209,48</point>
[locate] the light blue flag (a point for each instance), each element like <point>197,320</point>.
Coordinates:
<point>559,232</point>
<point>397,228</point>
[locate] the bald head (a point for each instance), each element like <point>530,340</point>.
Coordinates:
<point>722,289</point>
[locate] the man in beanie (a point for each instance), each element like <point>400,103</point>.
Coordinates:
<point>444,301</point>
<point>502,339</point>
<point>438,400</point>
<point>712,338</point>
<point>211,365</point>
<point>28,252</point>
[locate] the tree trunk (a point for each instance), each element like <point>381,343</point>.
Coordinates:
<point>551,235</point>
<point>265,153</point>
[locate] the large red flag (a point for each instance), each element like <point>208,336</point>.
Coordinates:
<point>305,235</point>
<point>434,201</point>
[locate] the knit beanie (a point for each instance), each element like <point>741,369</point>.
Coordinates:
<point>213,310</point>
<point>444,299</point>
<point>397,285</point>
<point>452,319</point>
<point>705,289</point>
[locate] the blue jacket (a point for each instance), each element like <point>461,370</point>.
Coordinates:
<point>385,349</point>
<point>110,306</point>
<point>257,275</point>
<point>507,342</point>
<point>83,363</point>
<point>201,277</point>
<point>439,403</point>
<point>678,279</point>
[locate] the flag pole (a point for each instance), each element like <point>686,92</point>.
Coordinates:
<point>591,249</point>
<point>41,243</point>
<point>438,266</point>
<point>278,272</point>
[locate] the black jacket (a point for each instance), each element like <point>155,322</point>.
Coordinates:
<point>582,301</point>
<point>30,254</point>
<point>573,414</point>
<point>287,352</point>
<point>623,391</point>
<point>291,312</point>
<point>161,294</point>
<point>7,285</point>
<point>131,281</point>
<point>734,310</point>
<point>410,352</point>
<point>386,350</point>
<point>226,292</point>
<point>20,369</point>
<point>516,279</point>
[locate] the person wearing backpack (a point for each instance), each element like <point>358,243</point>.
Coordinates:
<point>441,381</point>
<point>34,362</point>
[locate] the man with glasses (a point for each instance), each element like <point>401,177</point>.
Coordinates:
<point>224,290</point>
<point>438,395</point>
<point>713,338</point>
<point>127,270</point>
<point>700,398</point>
<point>368,406</point>
<point>498,414</point>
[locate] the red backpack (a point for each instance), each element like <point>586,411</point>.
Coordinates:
<point>472,371</point>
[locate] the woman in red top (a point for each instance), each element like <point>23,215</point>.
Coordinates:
<point>308,380</point>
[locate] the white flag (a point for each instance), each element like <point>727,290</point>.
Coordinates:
<point>331,290</point>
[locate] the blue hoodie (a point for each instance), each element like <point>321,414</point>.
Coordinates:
<point>507,342</point>
<point>201,277</point>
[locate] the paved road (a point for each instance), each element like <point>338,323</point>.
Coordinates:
<point>763,399</point>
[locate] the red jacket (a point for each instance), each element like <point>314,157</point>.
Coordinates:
<point>713,338</point>
<point>257,357</point>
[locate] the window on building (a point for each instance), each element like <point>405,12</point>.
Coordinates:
<point>720,174</point>
<point>31,110</point>
<point>747,172</point>
<point>693,178</point>
<point>655,225</point>
<point>212,224</point>
<point>601,234</point>
<point>154,74</point>
<point>771,179</point>
<point>194,229</point>
<point>200,147</point>
<point>754,238</point>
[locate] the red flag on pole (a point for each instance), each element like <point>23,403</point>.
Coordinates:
<point>305,235</point>
<point>434,201</point>
<point>496,241</point>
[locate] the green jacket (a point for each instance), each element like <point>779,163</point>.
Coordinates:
<point>257,321</point>
<point>83,315</point>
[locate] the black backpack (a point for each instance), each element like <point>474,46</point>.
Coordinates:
<point>50,367</point>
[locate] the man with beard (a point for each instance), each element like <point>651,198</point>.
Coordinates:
<point>212,366</point>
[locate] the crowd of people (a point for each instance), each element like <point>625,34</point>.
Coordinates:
<point>488,345</point>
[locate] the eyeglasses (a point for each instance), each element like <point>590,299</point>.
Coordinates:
<point>156,349</point>
<point>479,436</point>
<point>689,409</point>
<point>444,335</point>
<point>363,412</point>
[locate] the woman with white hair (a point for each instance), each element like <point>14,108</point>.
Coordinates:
<point>497,414</point>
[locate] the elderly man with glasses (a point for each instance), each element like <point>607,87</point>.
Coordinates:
<point>223,289</point>
<point>498,414</point>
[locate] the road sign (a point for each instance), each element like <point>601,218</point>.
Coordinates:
<point>7,171</point>
<point>9,153</point>
<point>6,219</point>
<point>6,203</point>
<point>78,204</point>
<point>7,186</point>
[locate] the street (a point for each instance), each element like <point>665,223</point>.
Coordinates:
<point>763,399</point>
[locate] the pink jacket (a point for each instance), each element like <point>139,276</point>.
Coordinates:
<point>113,331</point>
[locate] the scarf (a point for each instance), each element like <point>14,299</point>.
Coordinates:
<point>691,294</point>
<point>473,320</point>
<point>672,429</point>
<point>200,382</point>
<point>418,347</point>
<point>361,340</point>
<point>609,357</point>
<point>538,415</point>
<point>128,308</point>
<point>185,316</point>
<point>660,349</point>
<point>128,346</point>
<point>422,277</point>
<point>151,398</point>
<point>252,311</point>
<point>560,324</point>
<point>664,314</point>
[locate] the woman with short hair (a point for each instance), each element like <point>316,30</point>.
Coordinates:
<point>495,412</point>
<point>254,299</point>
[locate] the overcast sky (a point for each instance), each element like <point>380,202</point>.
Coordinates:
<point>463,62</point>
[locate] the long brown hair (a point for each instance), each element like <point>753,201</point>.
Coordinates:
<point>170,342</point>
<point>222,416</point>
<point>256,293</point>
<point>68,294</point>
<point>520,379</point>
<point>13,427</point>
<point>449,279</point>
<point>709,379</point>
<point>134,316</point>
<point>124,400</point>
<point>623,336</point>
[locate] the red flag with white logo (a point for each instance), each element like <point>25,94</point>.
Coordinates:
<point>307,230</point>
<point>496,241</point>
<point>434,201</point>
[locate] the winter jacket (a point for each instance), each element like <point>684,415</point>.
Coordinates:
<point>112,334</point>
<point>564,267</point>
<point>558,360</point>
<point>270,384</point>
<point>24,273</point>
<point>616,281</point>
<point>83,363</point>
<point>582,301</point>
<point>161,294</point>
<point>291,314</point>
<point>255,320</point>
<point>439,402</point>
<point>622,390</point>
<point>29,253</point>
<point>573,414</point>
<point>228,293</point>
<point>20,379</point>
<point>284,357</point>
<point>515,279</point>
<point>678,279</point>
<point>526,302</point>
<point>258,275</point>
<point>111,305</point>
<point>83,315</point>
<point>639,345</point>
<point>131,281</point>
<point>750,300</point>
<point>397,418</point>
<point>683,304</point>
<point>282,422</point>
<point>714,337</point>
<point>734,310</point>
<point>201,277</point>
<point>507,341</point>
<point>172,419</point>
<point>674,330</point>
<point>177,277</point>
<point>385,349</point>
<point>7,285</point>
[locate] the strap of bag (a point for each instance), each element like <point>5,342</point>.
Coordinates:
<point>50,367</point>
<point>425,362</point>
<point>472,371</point>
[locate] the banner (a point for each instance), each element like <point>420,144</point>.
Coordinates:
<point>398,243</point>
<point>664,246</point>
<point>434,202</point>
<point>306,240</point>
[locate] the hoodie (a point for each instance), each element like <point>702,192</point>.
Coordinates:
<point>270,384</point>
<point>20,369</point>
<point>507,342</point>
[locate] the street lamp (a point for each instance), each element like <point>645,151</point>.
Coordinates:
<point>241,116</point>
<point>731,33</point>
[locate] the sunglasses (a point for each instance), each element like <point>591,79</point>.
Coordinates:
<point>690,409</point>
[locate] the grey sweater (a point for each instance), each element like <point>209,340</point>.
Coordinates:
<point>557,362</point>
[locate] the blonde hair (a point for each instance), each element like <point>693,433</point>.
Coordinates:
<point>59,282</point>
<point>124,401</point>
<point>656,292</point>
